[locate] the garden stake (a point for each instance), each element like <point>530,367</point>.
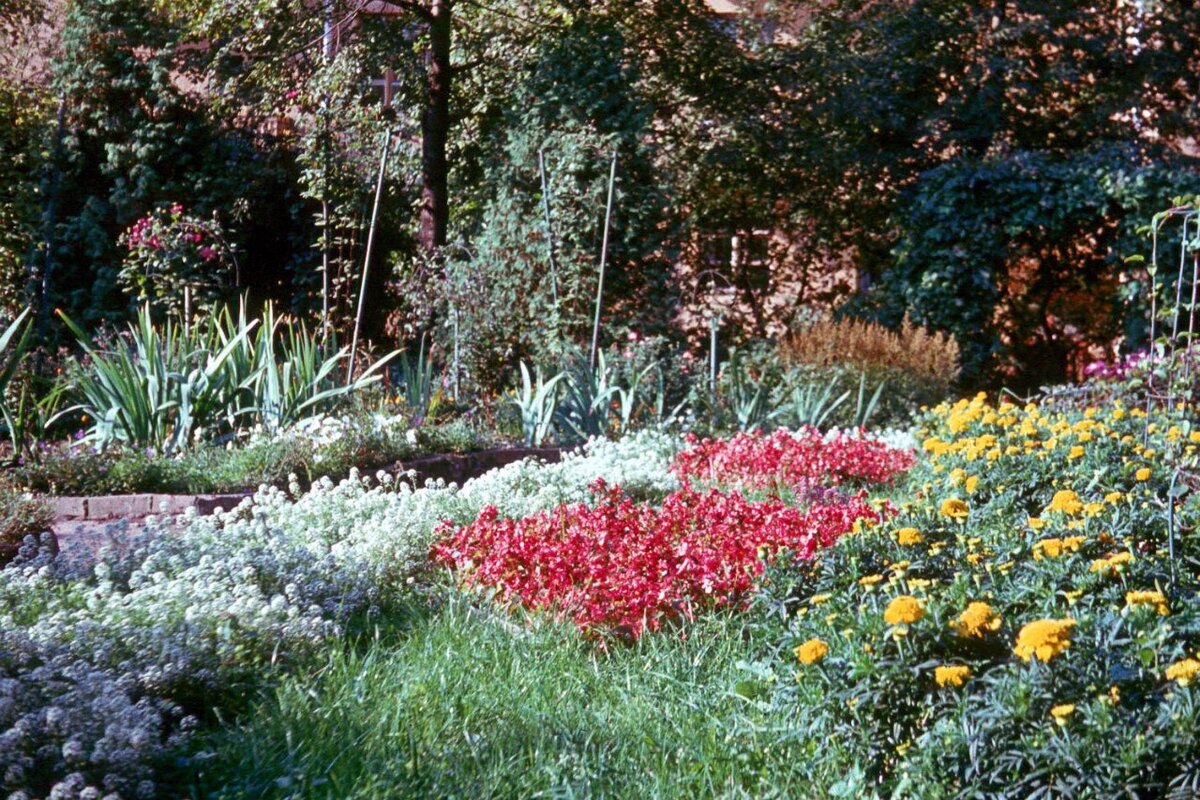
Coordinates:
<point>549,229</point>
<point>362,292</point>
<point>612,179</point>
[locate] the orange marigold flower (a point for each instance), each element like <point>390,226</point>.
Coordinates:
<point>977,621</point>
<point>1112,565</point>
<point>909,537</point>
<point>1066,502</point>
<point>904,610</point>
<point>954,508</point>
<point>1148,598</point>
<point>1044,638</point>
<point>811,651</point>
<point>951,675</point>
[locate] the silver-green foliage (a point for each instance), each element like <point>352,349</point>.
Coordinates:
<point>164,386</point>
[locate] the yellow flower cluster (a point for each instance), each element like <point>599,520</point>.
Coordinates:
<point>1066,502</point>
<point>977,621</point>
<point>909,537</point>
<point>1111,565</point>
<point>951,675</point>
<point>904,610</point>
<point>811,652</point>
<point>1044,638</point>
<point>1063,712</point>
<point>1055,547</point>
<point>954,508</point>
<point>1184,672</point>
<point>1148,598</point>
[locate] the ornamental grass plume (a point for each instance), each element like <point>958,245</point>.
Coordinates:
<point>904,610</point>
<point>951,675</point>
<point>1183,672</point>
<point>977,621</point>
<point>1044,638</point>
<point>1148,598</point>
<point>811,652</point>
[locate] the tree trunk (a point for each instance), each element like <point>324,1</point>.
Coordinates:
<point>435,129</point>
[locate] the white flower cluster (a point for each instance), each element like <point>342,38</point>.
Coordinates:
<point>323,430</point>
<point>200,608</point>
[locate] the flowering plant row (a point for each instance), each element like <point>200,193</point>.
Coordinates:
<point>791,459</point>
<point>1023,626</point>
<point>631,567</point>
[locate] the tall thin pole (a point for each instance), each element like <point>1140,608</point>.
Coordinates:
<point>327,54</point>
<point>362,292</point>
<point>612,179</point>
<point>549,229</point>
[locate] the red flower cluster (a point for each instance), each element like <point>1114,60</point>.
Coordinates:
<point>792,459</point>
<point>630,567</point>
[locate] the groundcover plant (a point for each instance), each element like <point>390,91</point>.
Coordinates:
<point>106,671</point>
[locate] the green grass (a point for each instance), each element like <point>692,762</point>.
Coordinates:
<point>476,703</point>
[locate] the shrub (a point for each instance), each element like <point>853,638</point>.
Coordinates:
<point>21,515</point>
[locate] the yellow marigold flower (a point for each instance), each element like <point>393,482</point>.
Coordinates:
<point>1148,598</point>
<point>1062,713</point>
<point>1194,437</point>
<point>1112,565</point>
<point>903,610</point>
<point>1118,413</point>
<point>1044,638</point>
<point>974,558</point>
<point>971,484</point>
<point>1114,694</point>
<point>954,508</point>
<point>1093,509</point>
<point>951,675</point>
<point>1142,474</point>
<point>977,621</point>
<point>1183,672</point>
<point>1065,501</point>
<point>869,580</point>
<point>1112,498</point>
<point>811,651</point>
<point>909,537</point>
<point>818,599</point>
<point>1037,523</point>
<point>1055,547</point>
<point>1076,452</point>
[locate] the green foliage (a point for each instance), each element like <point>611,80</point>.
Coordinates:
<point>268,460</point>
<point>975,227</point>
<point>1067,527</point>
<point>482,705</point>
<point>25,125</point>
<point>538,404</point>
<point>170,386</point>
<point>21,515</point>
